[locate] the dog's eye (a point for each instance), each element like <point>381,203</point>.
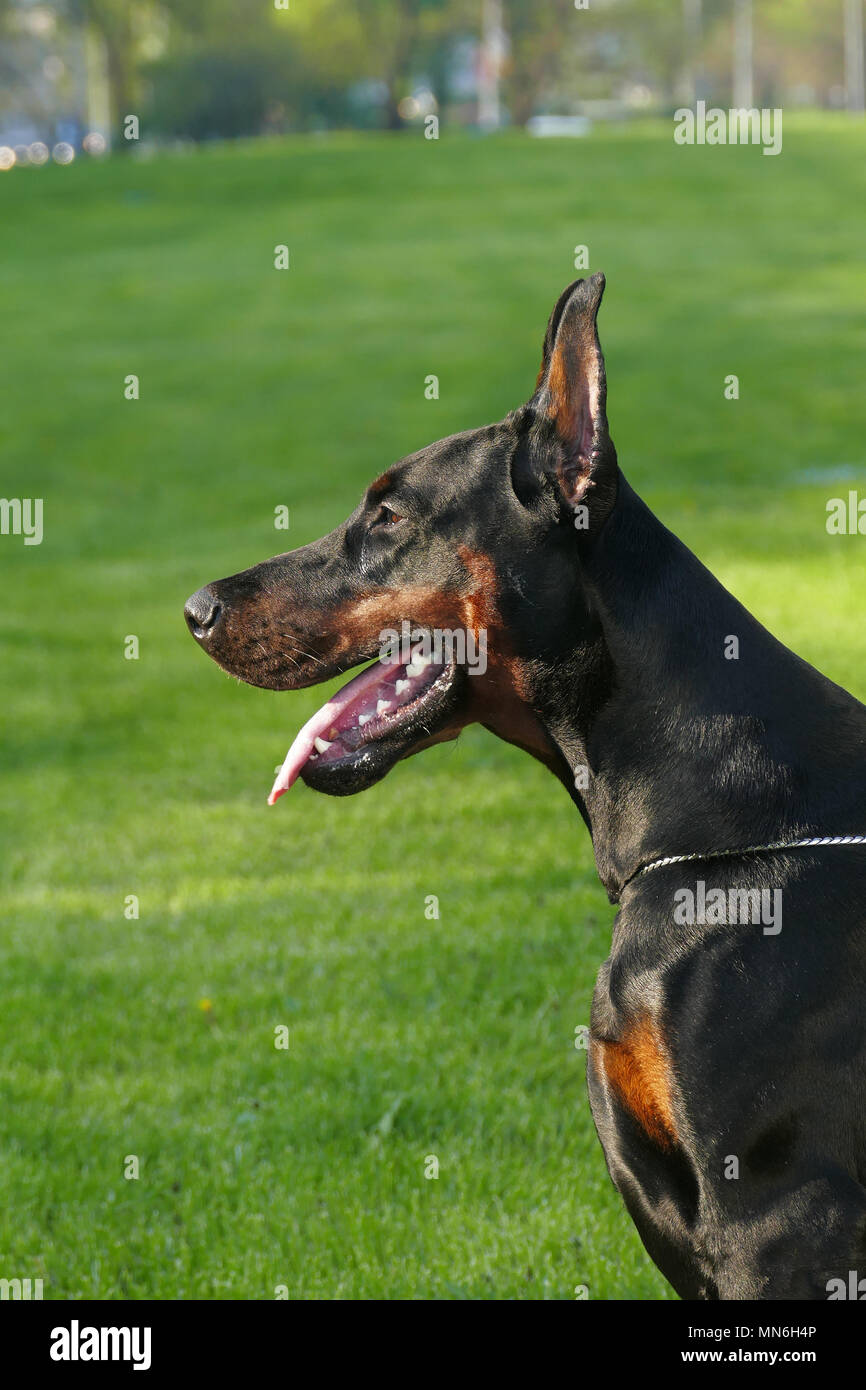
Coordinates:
<point>386,517</point>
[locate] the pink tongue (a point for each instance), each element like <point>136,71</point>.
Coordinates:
<point>321,721</point>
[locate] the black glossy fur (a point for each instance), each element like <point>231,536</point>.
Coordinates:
<point>607,643</point>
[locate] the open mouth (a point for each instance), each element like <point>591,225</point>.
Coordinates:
<point>368,725</point>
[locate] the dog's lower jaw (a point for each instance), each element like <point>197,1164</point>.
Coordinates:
<point>365,747</point>
<point>348,777</point>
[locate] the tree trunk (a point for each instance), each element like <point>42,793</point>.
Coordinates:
<point>393,119</point>
<point>119,89</point>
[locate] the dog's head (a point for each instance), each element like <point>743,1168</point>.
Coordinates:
<point>458,576</point>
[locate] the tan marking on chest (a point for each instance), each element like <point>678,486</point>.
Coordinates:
<point>637,1068</point>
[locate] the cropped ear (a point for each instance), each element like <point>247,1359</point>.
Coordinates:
<point>571,392</point>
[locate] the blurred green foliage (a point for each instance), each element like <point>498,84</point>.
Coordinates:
<point>237,67</point>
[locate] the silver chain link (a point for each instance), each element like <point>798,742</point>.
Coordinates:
<point>754,849</point>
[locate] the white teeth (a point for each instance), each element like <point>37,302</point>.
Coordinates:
<point>364,719</point>
<point>321,746</point>
<point>419,662</point>
<point>333,733</point>
<point>382,706</point>
<point>400,686</point>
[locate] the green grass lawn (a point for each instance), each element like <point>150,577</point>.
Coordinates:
<point>409,1038</point>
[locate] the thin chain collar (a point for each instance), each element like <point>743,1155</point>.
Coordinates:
<point>749,849</point>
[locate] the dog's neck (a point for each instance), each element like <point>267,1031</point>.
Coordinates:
<point>697,730</point>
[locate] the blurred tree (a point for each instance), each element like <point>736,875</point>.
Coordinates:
<point>358,40</point>
<point>854,56</point>
<point>210,92</point>
<point>607,46</point>
<point>394,27</point>
<point>229,65</point>
<point>132,34</point>
<point>539,35</point>
<point>798,51</point>
<point>113,21</point>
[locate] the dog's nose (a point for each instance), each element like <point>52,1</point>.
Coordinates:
<point>202,612</point>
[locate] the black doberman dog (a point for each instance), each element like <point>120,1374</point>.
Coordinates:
<point>727,1052</point>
